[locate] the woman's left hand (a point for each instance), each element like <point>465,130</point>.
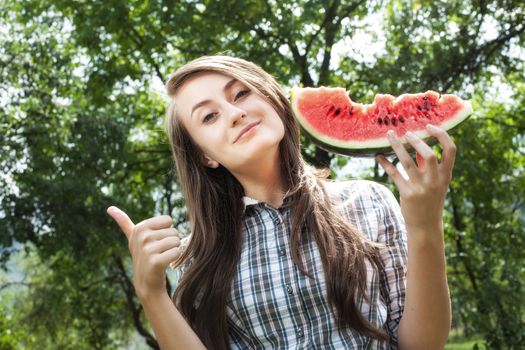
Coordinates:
<point>422,195</point>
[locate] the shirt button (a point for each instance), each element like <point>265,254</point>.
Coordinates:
<point>282,252</point>
<point>300,333</point>
<point>277,220</point>
<point>289,290</point>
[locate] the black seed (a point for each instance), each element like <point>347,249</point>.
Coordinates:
<point>351,111</point>
<point>401,119</point>
<point>425,98</point>
<point>337,111</point>
<point>418,107</point>
<point>386,121</point>
<point>379,121</point>
<point>394,121</point>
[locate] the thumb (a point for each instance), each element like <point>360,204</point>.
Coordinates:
<point>122,219</point>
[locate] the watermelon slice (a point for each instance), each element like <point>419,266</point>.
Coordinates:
<point>339,125</point>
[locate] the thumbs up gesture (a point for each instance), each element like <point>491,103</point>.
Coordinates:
<point>153,244</point>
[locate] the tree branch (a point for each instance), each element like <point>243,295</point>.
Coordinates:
<point>479,56</point>
<point>351,8</point>
<point>127,287</point>
<point>329,38</point>
<point>94,283</point>
<point>139,41</point>
<point>14,283</point>
<point>327,19</point>
<point>459,226</point>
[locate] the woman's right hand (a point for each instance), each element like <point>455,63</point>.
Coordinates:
<point>153,244</point>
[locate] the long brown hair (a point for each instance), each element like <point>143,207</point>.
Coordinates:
<point>214,201</point>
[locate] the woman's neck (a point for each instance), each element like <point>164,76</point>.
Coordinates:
<point>264,182</point>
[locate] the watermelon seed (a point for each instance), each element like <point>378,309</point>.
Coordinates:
<point>394,121</point>
<point>386,121</point>
<point>351,111</point>
<point>401,119</point>
<point>379,121</point>
<point>337,111</point>
<point>425,98</point>
<point>418,107</point>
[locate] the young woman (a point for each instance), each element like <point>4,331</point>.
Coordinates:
<point>279,257</point>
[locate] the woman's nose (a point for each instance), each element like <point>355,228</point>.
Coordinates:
<point>235,114</point>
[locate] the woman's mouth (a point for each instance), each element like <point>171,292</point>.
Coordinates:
<point>248,130</point>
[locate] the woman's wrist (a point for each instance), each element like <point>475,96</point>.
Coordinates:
<point>429,236</point>
<point>147,295</point>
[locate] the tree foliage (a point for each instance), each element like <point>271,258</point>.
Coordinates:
<point>82,128</point>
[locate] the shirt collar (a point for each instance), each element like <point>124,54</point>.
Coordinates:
<point>249,201</point>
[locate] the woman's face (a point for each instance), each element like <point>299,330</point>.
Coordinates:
<point>233,126</point>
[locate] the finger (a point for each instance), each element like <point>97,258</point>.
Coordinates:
<point>170,255</point>
<point>426,153</point>
<point>391,170</point>
<point>402,154</point>
<point>122,219</point>
<point>420,162</point>
<point>155,223</point>
<point>158,235</point>
<point>448,155</point>
<point>164,244</point>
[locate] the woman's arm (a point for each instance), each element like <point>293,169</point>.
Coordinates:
<point>170,327</point>
<point>426,319</point>
<point>153,245</point>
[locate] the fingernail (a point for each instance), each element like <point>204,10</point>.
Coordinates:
<point>432,127</point>
<point>410,134</point>
<point>390,134</point>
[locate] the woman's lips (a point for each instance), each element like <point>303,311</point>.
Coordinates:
<point>246,130</point>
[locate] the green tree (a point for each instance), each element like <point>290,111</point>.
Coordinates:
<point>8,340</point>
<point>81,126</point>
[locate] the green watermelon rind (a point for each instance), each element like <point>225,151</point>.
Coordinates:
<point>373,147</point>
<point>370,152</point>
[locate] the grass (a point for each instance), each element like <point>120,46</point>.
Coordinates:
<point>457,342</point>
<point>465,345</point>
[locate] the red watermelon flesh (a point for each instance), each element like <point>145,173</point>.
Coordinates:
<point>342,126</point>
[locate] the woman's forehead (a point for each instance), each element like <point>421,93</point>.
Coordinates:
<point>207,80</point>
<point>200,88</point>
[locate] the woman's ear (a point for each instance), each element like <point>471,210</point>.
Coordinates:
<point>210,163</point>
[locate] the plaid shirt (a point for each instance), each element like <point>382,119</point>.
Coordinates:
<point>273,306</point>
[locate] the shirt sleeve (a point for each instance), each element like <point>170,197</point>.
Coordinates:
<point>392,233</point>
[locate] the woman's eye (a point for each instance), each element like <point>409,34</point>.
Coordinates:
<point>241,94</point>
<point>207,117</point>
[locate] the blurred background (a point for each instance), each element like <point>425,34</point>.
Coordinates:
<point>81,128</point>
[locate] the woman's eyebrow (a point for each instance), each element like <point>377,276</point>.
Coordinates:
<point>226,87</point>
